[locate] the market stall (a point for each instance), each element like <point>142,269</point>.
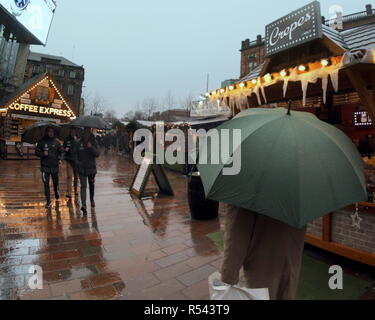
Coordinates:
<point>39,99</point>
<point>332,75</point>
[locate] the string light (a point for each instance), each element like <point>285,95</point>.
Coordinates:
<point>222,90</point>
<point>268,78</point>
<point>325,62</point>
<point>302,68</point>
<point>213,93</point>
<point>254,81</point>
<point>242,85</point>
<point>231,88</point>
<point>284,73</point>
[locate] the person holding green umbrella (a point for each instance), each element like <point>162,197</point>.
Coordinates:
<point>294,169</point>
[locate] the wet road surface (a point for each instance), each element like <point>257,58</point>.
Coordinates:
<point>124,249</point>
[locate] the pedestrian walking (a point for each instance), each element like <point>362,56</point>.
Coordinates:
<point>49,150</point>
<point>269,251</point>
<point>107,143</point>
<point>87,152</point>
<point>70,148</point>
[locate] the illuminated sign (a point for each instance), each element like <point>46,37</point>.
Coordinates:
<point>362,119</point>
<point>34,15</point>
<point>300,26</point>
<point>41,110</point>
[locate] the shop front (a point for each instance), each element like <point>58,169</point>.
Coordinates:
<point>39,99</point>
<point>331,74</point>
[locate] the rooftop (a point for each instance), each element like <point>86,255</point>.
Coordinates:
<point>39,57</point>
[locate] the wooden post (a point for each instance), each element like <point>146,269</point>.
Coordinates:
<point>327,228</point>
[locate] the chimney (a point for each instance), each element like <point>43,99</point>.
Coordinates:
<point>246,44</point>
<point>259,39</point>
<point>369,9</point>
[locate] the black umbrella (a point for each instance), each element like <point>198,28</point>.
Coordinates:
<point>65,131</point>
<point>36,132</point>
<point>90,122</point>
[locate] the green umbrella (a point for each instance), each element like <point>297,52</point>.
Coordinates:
<point>294,167</point>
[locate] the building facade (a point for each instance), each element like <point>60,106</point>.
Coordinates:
<point>253,52</point>
<point>68,75</point>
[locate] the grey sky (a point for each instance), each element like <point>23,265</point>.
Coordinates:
<point>132,50</point>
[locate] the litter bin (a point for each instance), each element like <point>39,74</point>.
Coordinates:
<point>200,208</point>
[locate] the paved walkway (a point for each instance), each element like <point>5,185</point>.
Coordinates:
<point>125,249</point>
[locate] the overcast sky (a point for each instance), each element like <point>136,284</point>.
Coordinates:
<point>132,50</point>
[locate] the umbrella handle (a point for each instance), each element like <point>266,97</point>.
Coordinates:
<point>289,107</point>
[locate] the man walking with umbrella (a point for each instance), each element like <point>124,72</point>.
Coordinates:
<point>49,150</point>
<point>70,146</point>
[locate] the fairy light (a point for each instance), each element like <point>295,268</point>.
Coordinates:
<point>222,90</point>
<point>254,81</point>
<point>231,88</point>
<point>302,68</point>
<point>268,78</point>
<point>283,73</point>
<point>242,85</point>
<point>325,62</point>
<point>214,93</point>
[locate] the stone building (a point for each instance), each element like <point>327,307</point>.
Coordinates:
<point>68,75</point>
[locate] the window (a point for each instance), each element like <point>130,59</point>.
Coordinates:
<point>36,69</point>
<point>252,61</point>
<point>73,74</point>
<point>70,90</point>
<point>61,73</point>
<point>42,93</point>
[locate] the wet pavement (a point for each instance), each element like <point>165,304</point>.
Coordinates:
<point>124,249</point>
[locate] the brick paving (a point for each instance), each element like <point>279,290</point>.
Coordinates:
<point>124,249</point>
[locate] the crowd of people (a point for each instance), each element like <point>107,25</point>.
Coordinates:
<point>80,154</point>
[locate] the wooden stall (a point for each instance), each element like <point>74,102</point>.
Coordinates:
<point>332,75</point>
<point>39,99</point>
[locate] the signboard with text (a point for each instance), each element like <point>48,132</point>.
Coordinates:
<point>299,27</point>
<point>35,16</point>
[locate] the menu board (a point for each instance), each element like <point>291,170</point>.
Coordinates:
<point>143,174</point>
<point>141,177</point>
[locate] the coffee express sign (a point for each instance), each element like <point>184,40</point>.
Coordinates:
<point>299,27</point>
<point>28,108</point>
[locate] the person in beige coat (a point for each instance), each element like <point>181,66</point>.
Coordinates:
<point>269,251</point>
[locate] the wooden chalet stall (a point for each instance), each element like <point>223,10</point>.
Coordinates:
<point>332,75</point>
<point>39,99</point>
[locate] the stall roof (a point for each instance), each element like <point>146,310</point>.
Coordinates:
<point>21,89</point>
<point>358,38</point>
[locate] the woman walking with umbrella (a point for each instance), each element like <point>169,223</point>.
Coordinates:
<point>49,150</point>
<point>87,153</point>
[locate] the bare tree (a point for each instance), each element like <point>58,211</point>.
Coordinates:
<point>149,107</point>
<point>96,105</point>
<point>187,102</point>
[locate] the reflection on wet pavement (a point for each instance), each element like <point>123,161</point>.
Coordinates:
<point>124,249</point>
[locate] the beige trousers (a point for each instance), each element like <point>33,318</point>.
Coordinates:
<point>269,251</point>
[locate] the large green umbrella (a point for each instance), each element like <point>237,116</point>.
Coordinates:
<point>294,167</point>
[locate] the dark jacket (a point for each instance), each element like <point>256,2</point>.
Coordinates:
<point>71,155</point>
<point>86,157</point>
<point>49,164</point>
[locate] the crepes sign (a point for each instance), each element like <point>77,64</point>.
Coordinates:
<point>300,26</point>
